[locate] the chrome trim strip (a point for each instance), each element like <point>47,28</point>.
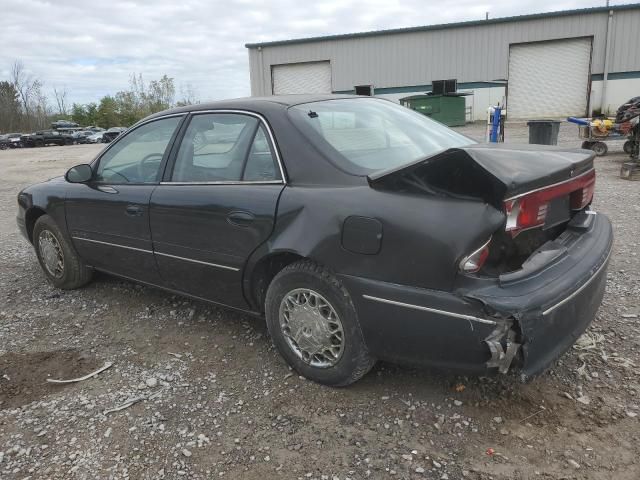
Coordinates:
<point>549,186</point>
<point>431,310</point>
<point>198,261</point>
<point>112,244</point>
<point>230,182</point>
<point>584,285</point>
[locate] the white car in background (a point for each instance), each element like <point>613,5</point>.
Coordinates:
<point>95,138</point>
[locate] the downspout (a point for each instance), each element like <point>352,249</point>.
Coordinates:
<point>261,63</point>
<point>607,47</point>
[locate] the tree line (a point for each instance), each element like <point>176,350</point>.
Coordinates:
<point>24,107</point>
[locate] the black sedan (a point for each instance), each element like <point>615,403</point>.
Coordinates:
<point>111,134</point>
<point>360,229</point>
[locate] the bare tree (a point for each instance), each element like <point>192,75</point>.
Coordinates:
<point>188,95</point>
<point>40,105</point>
<point>22,83</point>
<point>61,100</point>
<point>33,102</point>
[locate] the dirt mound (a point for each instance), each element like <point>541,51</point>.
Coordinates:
<point>23,376</point>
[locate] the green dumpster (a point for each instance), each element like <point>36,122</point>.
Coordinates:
<point>447,109</point>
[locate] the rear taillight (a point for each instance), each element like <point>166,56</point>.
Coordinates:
<point>530,209</point>
<point>474,262</point>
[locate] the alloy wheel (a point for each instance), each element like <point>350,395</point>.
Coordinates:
<point>51,253</point>
<point>312,328</point>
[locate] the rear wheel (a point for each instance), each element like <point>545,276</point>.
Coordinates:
<point>600,148</point>
<point>314,325</point>
<point>61,264</point>
<point>39,143</point>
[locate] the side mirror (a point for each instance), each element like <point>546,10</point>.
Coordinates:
<point>79,174</point>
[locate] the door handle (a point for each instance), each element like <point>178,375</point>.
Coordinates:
<point>134,210</point>
<point>240,218</point>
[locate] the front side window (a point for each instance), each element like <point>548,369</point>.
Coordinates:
<point>136,158</point>
<point>224,147</point>
<point>365,135</point>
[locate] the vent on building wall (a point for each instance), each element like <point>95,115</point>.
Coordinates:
<point>364,90</point>
<point>443,87</point>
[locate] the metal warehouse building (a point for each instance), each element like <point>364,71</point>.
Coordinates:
<point>543,65</point>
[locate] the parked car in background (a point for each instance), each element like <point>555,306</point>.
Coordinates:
<point>46,137</point>
<point>360,229</point>
<point>81,136</point>
<point>10,140</point>
<point>63,124</point>
<point>112,133</point>
<point>95,137</point>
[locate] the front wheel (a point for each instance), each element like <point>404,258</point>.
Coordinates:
<point>600,148</point>
<point>314,325</point>
<point>60,263</point>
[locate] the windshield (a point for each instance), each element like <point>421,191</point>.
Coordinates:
<point>365,135</point>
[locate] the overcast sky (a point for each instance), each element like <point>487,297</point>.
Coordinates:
<point>91,48</point>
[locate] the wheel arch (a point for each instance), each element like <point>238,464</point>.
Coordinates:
<point>263,272</point>
<point>31,217</point>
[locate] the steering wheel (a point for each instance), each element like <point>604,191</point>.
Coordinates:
<point>117,173</point>
<point>143,171</point>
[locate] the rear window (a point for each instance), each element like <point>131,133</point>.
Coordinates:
<point>365,135</point>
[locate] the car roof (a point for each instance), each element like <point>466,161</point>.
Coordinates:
<point>255,103</point>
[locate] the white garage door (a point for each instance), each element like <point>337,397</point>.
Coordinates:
<point>548,79</point>
<point>311,77</point>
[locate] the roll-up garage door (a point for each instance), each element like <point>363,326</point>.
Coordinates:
<point>310,77</point>
<point>549,79</point>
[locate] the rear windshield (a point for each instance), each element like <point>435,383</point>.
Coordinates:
<point>365,135</point>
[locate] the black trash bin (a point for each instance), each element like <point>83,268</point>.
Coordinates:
<point>543,132</point>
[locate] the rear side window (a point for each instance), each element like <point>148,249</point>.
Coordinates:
<point>261,162</point>
<point>214,148</point>
<point>225,147</point>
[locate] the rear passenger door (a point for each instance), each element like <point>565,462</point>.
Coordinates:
<point>216,205</point>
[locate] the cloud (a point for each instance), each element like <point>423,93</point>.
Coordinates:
<point>92,48</point>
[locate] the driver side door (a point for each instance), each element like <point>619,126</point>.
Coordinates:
<point>108,217</point>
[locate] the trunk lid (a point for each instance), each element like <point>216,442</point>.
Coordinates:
<point>514,169</point>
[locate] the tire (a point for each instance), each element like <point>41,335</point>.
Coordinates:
<point>74,273</point>
<point>3,146</point>
<point>39,143</point>
<point>352,361</point>
<point>600,148</point>
<point>628,147</point>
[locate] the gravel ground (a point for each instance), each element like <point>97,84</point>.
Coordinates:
<point>212,398</point>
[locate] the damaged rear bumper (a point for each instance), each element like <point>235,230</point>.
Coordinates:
<point>526,319</point>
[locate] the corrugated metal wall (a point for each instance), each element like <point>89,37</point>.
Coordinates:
<point>625,42</point>
<point>470,53</point>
